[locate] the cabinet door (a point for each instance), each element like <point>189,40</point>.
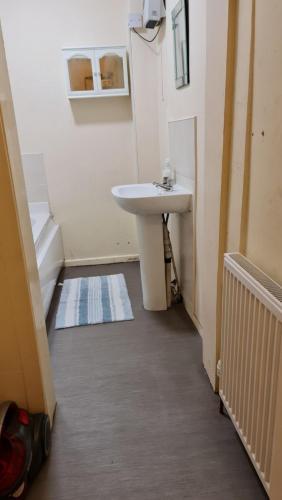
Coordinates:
<point>80,72</point>
<point>111,64</point>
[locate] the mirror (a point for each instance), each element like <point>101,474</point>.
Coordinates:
<point>180,28</point>
<point>80,73</point>
<point>112,74</point>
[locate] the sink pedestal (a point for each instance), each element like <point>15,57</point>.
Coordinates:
<point>151,248</point>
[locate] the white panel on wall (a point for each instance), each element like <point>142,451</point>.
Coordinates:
<point>35,177</point>
<point>182,147</point>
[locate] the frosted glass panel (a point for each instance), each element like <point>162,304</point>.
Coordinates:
<point>111,69</point>
<point>80,74</point>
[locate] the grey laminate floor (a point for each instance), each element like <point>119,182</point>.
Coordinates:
<point>137,418</point>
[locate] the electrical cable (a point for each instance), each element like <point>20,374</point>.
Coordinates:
<point>146,39</point>
<point>134,109</point>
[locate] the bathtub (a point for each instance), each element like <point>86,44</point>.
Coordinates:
<point>49,249</point>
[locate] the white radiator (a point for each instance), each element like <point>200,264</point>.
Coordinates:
<point>251,357</point>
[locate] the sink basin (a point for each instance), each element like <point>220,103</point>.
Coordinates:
<point>147,199</point>
<point>148,203</point>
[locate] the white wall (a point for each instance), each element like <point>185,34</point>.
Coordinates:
<point>262,100</point>
<point>88,145</point>
<point>264,235</point>
<point>144,70</point>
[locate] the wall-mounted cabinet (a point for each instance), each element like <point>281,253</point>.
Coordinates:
<point>96,72</point>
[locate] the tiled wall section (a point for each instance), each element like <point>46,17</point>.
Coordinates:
<point>35,177</point>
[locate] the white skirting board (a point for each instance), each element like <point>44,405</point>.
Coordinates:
<point>190,311</point>
<point>96,261</point>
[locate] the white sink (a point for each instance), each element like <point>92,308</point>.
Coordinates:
<point>147,199</point>
<point>148,203</point>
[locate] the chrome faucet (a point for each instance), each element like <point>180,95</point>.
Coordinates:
<point>165,185</point>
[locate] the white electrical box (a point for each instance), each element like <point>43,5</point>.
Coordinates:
<point>154,11</point>
<point>135,21</point>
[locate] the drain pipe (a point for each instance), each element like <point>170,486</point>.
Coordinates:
<point>171,286</point>
<point>168,259</point>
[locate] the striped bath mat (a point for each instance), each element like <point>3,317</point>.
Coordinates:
<point>89,301</point>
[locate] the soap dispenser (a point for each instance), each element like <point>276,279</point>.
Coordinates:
<point>168,173</point>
